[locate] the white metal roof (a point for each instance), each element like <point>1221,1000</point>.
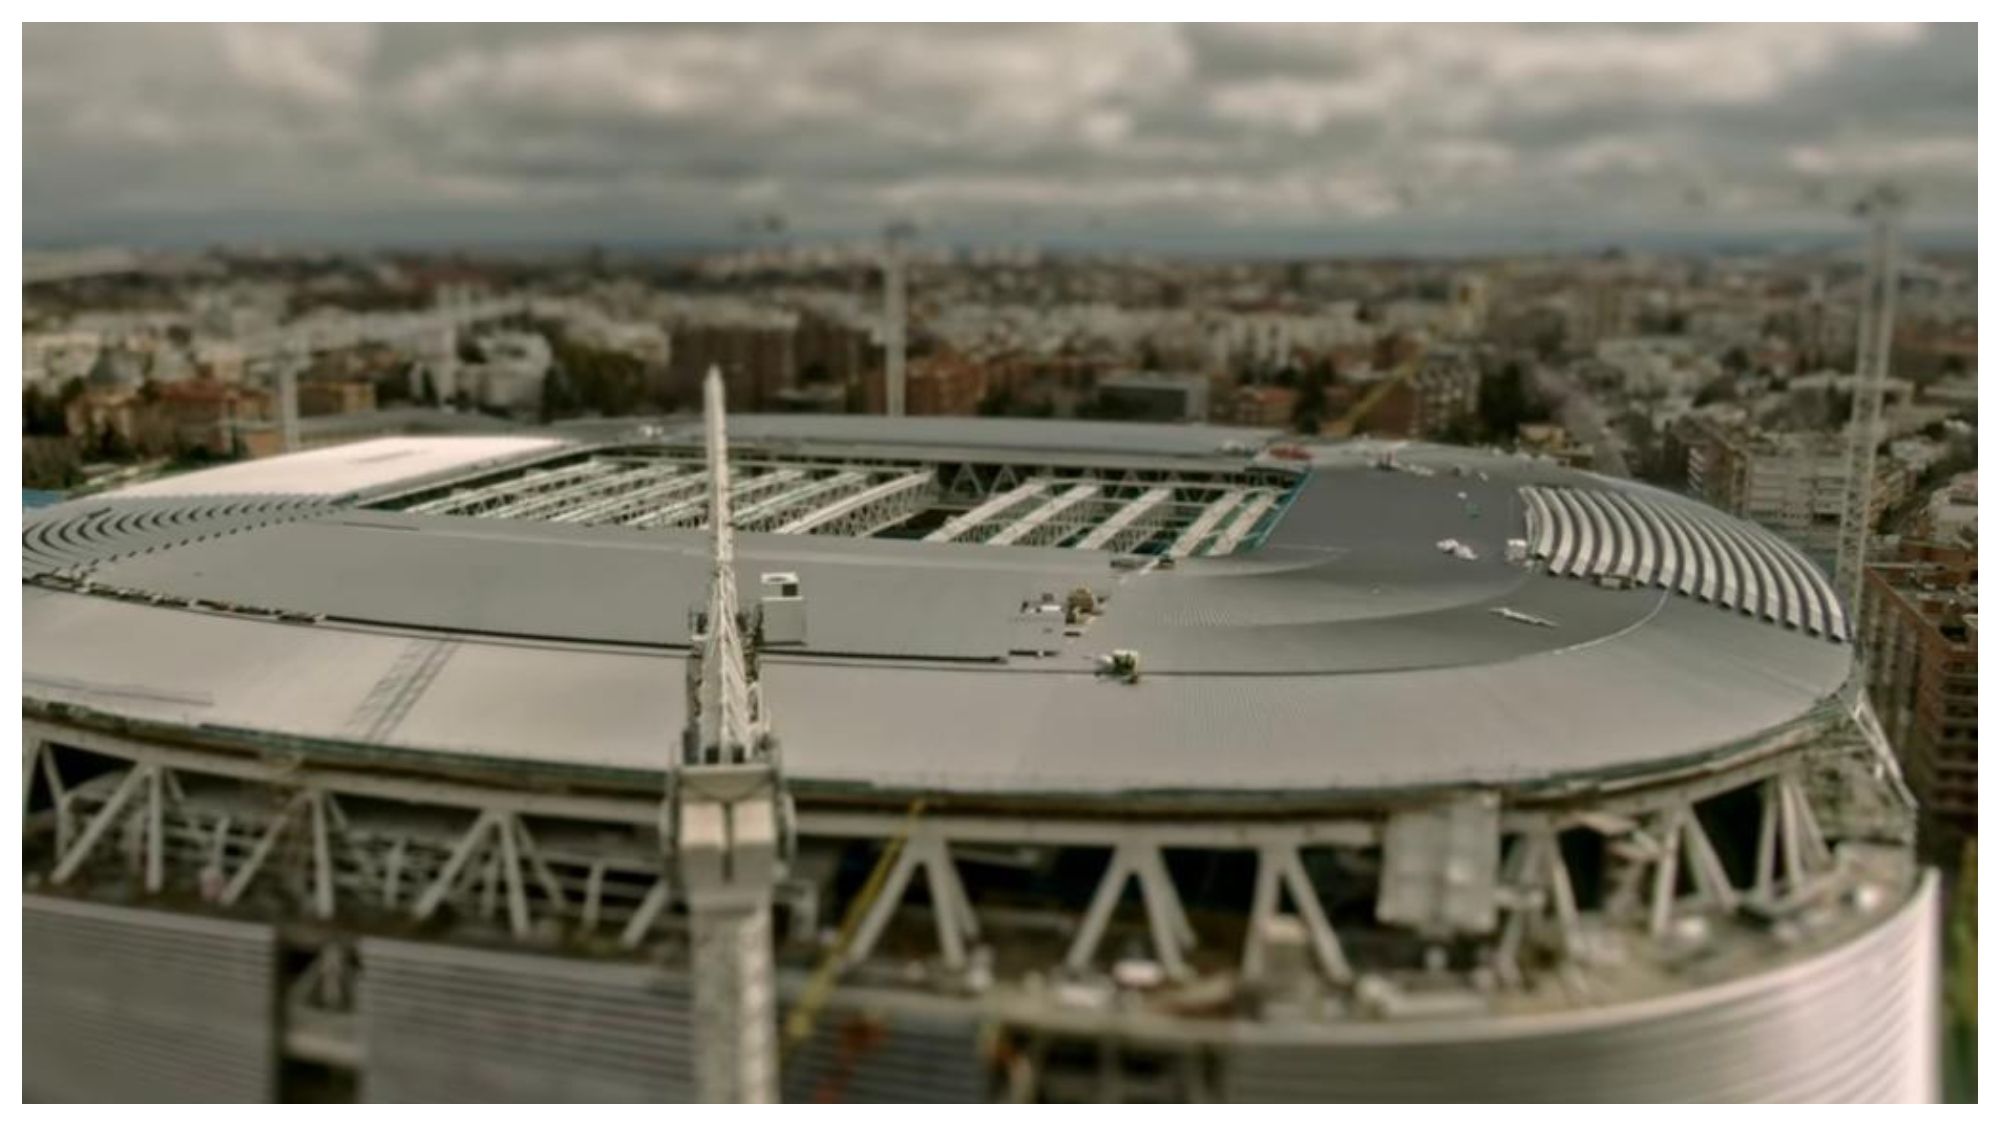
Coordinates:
<point>342,470</point>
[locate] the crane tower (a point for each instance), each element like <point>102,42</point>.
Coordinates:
<point>1881,208</point>
<point>894,315</point>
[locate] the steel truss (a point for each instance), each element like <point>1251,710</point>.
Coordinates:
<point>613,481</point>
<point>612,509</point>
<point>774,511</point>
<point>1050,522</point>
<point>692,512</point>
<point>1177,511</point>
<point>1135,522</point>
<point>362,849</point>
<point>870,511</point>
<point>990,515</point>
<point>1203,527</point>
<point>484,499</point>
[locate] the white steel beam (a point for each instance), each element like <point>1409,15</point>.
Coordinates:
<point>1164,916</point>
<point>322,855</point>
<point>100,824</point>
<point>1666,872</point>
<point>773,511</point>
<point>467,847</point>
<point>156,844</point>
<point>59,795</point>
<point>1117,533</point>
<point>642,919</point>
<point>610,508</point>
<point>950,906</point>
<point>1539,879</point>
<point>1279,870</point>
<point>510,866</point>
<point>995,508</point>
<point>1205,524</point>
<point>624,482</point>
<point>533,481</point>
<point>1041,526</point>
<point>696,510</point>
<point>240,882</point>
<point>871,506</point>
<point>1241,526</point>
<point>608,479</point>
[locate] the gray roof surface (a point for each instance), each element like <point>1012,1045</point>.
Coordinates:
<point>1346,653</point>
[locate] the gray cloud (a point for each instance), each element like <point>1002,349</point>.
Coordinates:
<point>192,133</point>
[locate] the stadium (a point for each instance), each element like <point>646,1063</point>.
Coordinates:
<point>1128,763</point>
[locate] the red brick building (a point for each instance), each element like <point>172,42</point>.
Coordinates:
<point>1258,406</point>
<point>1920,637</point>
<point>335,396</point>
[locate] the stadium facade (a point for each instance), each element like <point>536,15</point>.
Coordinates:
<point>1129,763</point>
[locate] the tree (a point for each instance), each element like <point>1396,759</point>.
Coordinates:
<point>554,402</point>
<point>997,402</point>
<point>1721,389</point>
<point>1504,403</point>
<point>1309,412</point>
<point>111,445</point>
<point>41,415</point>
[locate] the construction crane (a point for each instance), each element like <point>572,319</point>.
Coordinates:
<point>1344,426</point>
<point>893,313</point>
<point>728,819</point>
<point>1876,330</point>
<point>285,364</point>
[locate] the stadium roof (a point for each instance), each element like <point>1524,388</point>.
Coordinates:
<point>1348,651</point>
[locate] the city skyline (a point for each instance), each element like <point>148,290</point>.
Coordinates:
<point>1187,139</point>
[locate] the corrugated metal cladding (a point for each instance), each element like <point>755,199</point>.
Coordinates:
<point>442,1023</point>
<point>450,1024</point>
<point>125,1005</point>
<point>869,1057</point>
<point>97,531</point>
<point>1681,546</point>
<point>1856,1024</point>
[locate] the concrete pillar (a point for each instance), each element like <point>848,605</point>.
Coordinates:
<point>736,1057</point>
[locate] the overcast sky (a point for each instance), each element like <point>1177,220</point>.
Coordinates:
<point>1220,138</point>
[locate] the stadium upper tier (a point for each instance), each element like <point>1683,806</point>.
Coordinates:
<point>1335,621</point>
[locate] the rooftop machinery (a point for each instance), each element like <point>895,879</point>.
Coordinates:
<point>1875,333</point>
<point>727,819</point>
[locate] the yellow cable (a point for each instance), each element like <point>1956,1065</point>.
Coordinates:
<point>799,1025</point>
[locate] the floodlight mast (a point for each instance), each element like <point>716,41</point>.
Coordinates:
<point>727,825</point>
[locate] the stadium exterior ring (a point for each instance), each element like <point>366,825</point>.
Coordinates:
<point>1208,768</point>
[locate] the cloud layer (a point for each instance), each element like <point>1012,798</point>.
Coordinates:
<point>1175,134</point>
